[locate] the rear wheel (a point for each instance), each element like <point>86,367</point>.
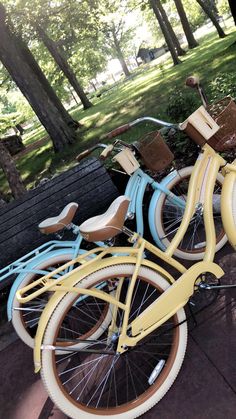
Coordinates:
<point>94,380</point>
<point>25,317</point>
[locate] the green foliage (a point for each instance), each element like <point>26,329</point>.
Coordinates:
<point>73,25</point>
<point>181,104</point>
<point>9,121</point>
<point>223,7</point>
<point>223,85</point>
<point>195,14</point>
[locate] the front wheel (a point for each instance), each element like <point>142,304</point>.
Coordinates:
<point>168,218</point>
<point>94,381</point>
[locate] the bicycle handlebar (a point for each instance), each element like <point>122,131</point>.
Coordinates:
<point>116,131</point>
<point>126,127</point>
<point>86,153</point>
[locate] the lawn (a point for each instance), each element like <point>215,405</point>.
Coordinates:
<point>145,93</point>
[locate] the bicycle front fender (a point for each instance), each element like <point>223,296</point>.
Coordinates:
<point>228,207</point>
<point>39,263</point>
<point>71,280</point>
<point>159,189</point>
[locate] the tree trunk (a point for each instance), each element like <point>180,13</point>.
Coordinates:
<point>211,16</point>
<point>192,43</point>
<point>20,69</point>
<point>29,58</point>
<point>232,5</point>
<point>64,66</point>
<point>13,177</point>
<point>155,6</point>
<point>180,51</point>
<point>120,55</point>
<point>93,85</point>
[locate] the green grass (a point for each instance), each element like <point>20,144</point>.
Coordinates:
<point>146,93</point>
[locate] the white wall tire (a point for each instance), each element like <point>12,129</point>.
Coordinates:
<point>17,318</point>
<point>158,214</point>
<point>152,395</point>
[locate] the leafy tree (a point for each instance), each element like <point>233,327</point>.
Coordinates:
<point>115,31</point>
<point>223,7</point>
<point>170,29</point>
<point>207,8</point>
<point>155,5</point>
<point>25,71</point>
<point>49,22</point>
<point>192,43</point>
<point>61,60</point>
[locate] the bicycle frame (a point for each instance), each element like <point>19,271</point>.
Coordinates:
<point>135,190</point>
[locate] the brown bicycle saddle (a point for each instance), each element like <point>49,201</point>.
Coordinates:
<point>54,224</point>
<point>107,225</point>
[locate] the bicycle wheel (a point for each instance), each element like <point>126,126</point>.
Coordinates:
<point>96,381</point>
<point>25,317</point>
<point>168,218</point>
<point>228,209</point>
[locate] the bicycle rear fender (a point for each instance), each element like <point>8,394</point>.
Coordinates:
<point>228,207</point>
<point>39,263</point>
<point>70,282</point>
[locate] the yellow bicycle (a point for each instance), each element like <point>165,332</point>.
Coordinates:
<point>113,336</point>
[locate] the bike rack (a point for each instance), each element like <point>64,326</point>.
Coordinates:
<point>19,265</point>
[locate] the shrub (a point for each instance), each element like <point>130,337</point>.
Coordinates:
<point>181,104</point>
<point>223,85</point>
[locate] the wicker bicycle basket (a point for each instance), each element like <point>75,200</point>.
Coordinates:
<point>224,113</point>
<point>155,153</point>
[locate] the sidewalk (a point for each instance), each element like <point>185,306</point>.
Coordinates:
<point>204,389</point>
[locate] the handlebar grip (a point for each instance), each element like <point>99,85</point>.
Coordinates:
<point>117,131</point>
<point>105,153</point>
<point>192,81</point>
<point>84,154</point>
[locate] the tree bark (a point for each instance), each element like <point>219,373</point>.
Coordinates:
<point>192,43</point>
<point>18,64</point>
<point>155,6</point>
<point>120,55</point>
<point>29,58</point>
<point>64,66</point>
<point>13,177</point>
<point>232,5</point>
<point>179,50</point>
<point>212,16</point>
